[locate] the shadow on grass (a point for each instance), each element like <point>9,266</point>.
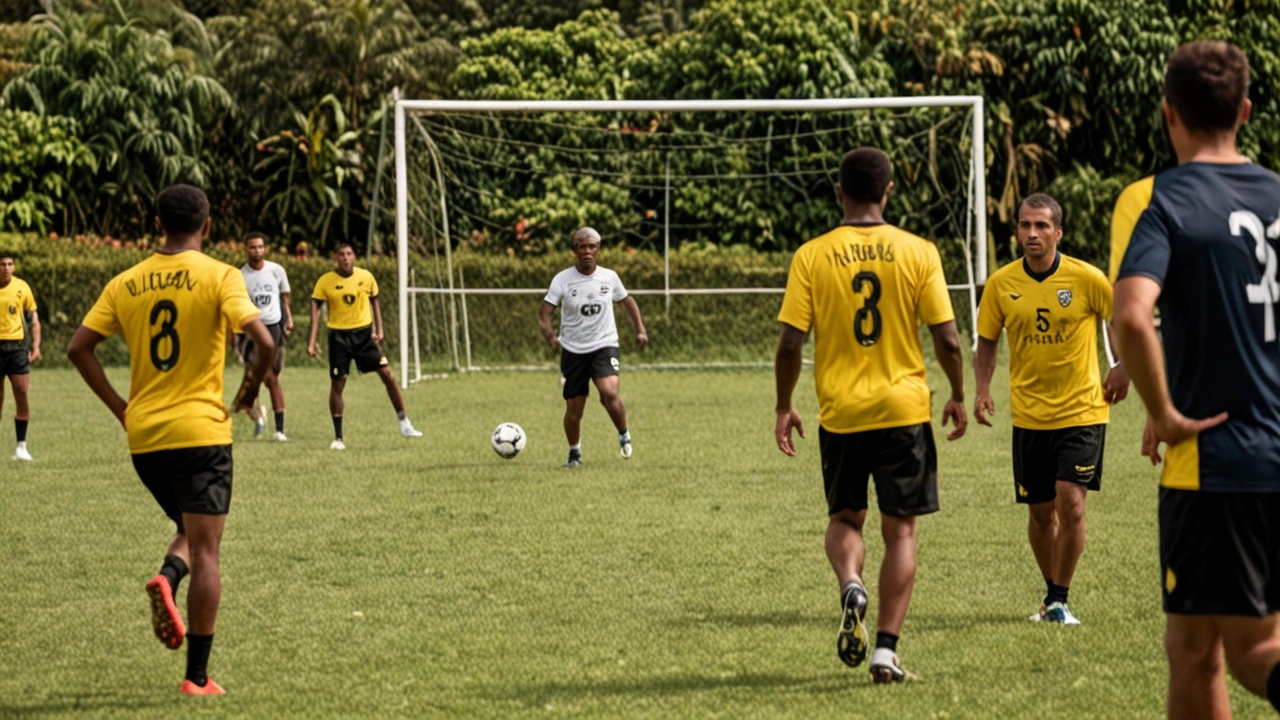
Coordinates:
<point>539,694</point>
<point>79,704</point>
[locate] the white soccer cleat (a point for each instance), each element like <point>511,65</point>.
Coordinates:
<point>885,667</point>
<point>407,429</point>
<point>337,445</point>
<point>1059,613</point>
<point>280,437</point>
<point>624,450</point>
<point>1039,615</point>
<point>22,454</point>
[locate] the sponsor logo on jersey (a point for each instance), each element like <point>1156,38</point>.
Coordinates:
<point>349,299</point>
<point>337,287</point>
<point>604,289</point>
<point>1064,297</point>
<point>1014,296</point>
<point>13,309</point>
<point>573,292</point>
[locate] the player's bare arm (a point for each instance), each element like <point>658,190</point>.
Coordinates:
<point>377,319</point>
<point>33,319</point>
<point>315,325</point>
<point>946,345</point>
<point>1115,387</point>
<point>261,338</point>
<point>288,313</point>
<point>633,312</point>
<point>80,351</point>
<point>984,368</point>
<point>544,324</point>
<point>786,370</point>
<point>1140,348</point>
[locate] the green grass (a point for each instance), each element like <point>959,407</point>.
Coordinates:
<point>432,578</point>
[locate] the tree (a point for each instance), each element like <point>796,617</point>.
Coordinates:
<point>38,157</point>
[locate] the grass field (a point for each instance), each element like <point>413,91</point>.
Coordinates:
<point>430,578</point>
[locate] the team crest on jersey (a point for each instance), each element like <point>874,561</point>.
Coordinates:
<point>349,299</point>
<point>604,289</point>
<point>13,309</point>
<point>1064,297</point>
<point>573,292</point>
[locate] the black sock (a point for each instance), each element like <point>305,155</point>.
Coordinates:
<point>886,640</point>
<point>173,570</point>
<point>337,427</point>
<point>1048,587</point>
<point>21,427</point>
<point>280,421</point>
<point>1057,593</point>
<point>198,647</point>
<point>1273,687</point>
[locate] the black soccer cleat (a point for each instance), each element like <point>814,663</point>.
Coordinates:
<point>851,642</point>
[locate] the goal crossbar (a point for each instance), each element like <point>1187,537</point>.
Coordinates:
<point>976,260</point>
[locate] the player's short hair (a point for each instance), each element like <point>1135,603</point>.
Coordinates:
<point>1206,82</point>
<point>255,235</point>
<point>340,246</point>
<point>1040,200</point>
<point>865,173</point>
<point>182,209</point>
<point>584,234</point>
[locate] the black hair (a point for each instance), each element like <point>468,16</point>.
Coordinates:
<point>1206,82</point>
<point>255,234</point>
<point>182,209</point>
<point>865,174</point>
<point>1040,200</point>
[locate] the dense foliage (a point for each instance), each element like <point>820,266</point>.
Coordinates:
<point>278,106</point>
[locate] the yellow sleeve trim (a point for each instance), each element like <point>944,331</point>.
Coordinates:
<point>1129,206</point>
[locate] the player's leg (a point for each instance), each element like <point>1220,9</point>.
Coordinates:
<point>155,470</point>
<point>249,352</point>
<point>573,409</point>
<point>612,401</point>
<point>337,384</point>
<point>1069,507</point>
<point>274,388</point>
<point>397,401</point>
<point>844,478</point>
<point>204,494</point>
<point>1035,485</point>
<point>1252,649</point>
<point>905,468</point>
<point>1197,681</point>
<point>1079,452</point>
<point>22,413</point>
<point>575,374</point>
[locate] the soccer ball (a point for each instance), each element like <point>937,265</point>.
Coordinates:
<point>508,440</point>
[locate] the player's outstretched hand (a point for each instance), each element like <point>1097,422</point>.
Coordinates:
<point>983,407</point>
<point>1150,443</point>
<point>1116,387</point>
<point>1175,427</point>
<point>782,431</point>
<point>642,339</point>
<point>311,350</point>
<point>954,411</point>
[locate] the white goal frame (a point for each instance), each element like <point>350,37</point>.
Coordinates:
<point>975,260</point>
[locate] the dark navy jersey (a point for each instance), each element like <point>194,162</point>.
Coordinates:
<point>1209,237</point>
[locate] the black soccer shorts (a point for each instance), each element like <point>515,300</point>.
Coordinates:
<point>249,350</point>
<point>14,358</point>
<point>1043,457</point>
<point>358,345</point>
<point>579,369</point>
<point>193,480</point>
<point>903,461</point>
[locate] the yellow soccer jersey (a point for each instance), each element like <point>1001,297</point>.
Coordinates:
<point>1129,206</point>
<point>861,289</point>
<point>173,312</point>
<point>15,298</point>
<point>1052,321</point>
<point>347,298</point>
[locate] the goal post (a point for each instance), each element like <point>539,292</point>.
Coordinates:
<point>407,112</point>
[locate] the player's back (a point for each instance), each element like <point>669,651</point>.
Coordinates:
<point>1204,237</point>
<point>173,312</point>
<point>861,288</point>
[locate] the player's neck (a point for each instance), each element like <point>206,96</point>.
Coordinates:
<point>175,245</point>
<point>1218,149</point>
<point>863,214</point>
<point>348,273</point>
<point>5,284</point>
<point>1043,264</point>
<point>257,265</point>
<point>588,271</point>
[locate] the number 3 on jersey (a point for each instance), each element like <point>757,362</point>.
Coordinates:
<point>868,314</point>
<point>166,332</point>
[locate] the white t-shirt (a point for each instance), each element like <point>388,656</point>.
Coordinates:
<point>586,308</point>
<point>265,286</point>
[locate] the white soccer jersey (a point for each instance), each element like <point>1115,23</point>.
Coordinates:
<point>265,286</point>
<point>586,308</point>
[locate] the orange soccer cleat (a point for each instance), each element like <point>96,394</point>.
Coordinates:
<point>165,618</point>
<point>210,688</point>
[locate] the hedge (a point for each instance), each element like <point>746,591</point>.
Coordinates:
<point>67,277</point>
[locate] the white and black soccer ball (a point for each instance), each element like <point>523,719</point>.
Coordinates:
<point>508,440</point>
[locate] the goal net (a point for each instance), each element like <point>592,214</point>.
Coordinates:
<point>699,204</point>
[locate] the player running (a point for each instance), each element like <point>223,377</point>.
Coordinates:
<point>588,340</point>
<point>861,288</point>
<point>172,310</point>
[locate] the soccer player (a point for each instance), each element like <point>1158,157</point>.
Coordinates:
<point>1204,252</point>
<point>172,310</point>
<point>1051,305</point>
<point>355,329</point>
<point>268,286</point>
<point>588,340</point>
<point>17,304</point>
<point>861,288</point>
